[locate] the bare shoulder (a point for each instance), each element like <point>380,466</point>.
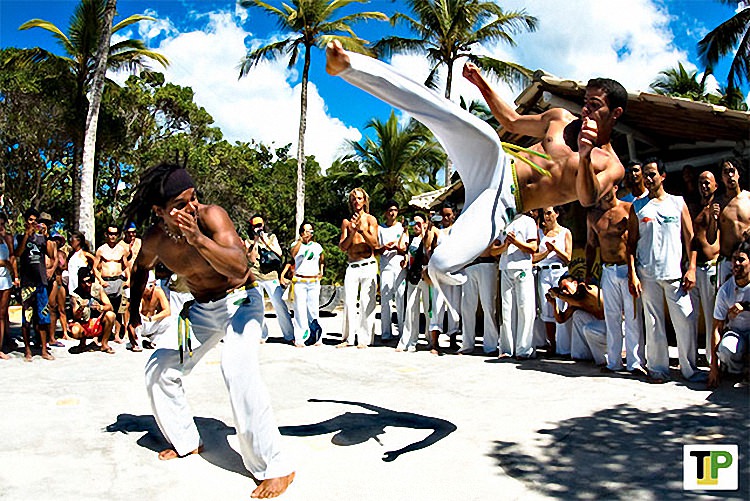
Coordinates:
<point>213,214</point>
<point>150,244</point>
<point>559,114</point>
<point>371,219</point>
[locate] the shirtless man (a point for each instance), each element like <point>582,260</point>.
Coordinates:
<point>132,245</point>
<point>588,334</point>
<point>734,219</point>
<point>155,313</point>
<point>582,164</point>
<point>111,270</point>
<point>359,239</point>
<point>451,293</point>
<point>704,292</point>
<point>607,229</point>
<point>200,243</point>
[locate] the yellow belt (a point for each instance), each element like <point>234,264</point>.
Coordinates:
<point>515,189</point>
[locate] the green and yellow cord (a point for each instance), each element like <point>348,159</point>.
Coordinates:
<point>183,331</point>
<point>513,150</point>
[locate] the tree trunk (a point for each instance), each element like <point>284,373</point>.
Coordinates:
<point>87,225</point>
<point>300,208</point>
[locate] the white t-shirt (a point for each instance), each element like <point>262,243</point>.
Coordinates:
<point>730,293</point>
<point>525,229</point>
<point>387,234</point>
<point>307,259</point>
<point>659,251</point>
<point>559,242</point>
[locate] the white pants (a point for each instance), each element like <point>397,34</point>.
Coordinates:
<point>480,287</point>
<point>518,303</point>
<point>683,320</point>
<point>416,296</point>
<point>451,295</point>
<point>732,350</point>
<point>392,288</point>
<point>623,316</point>
<point>548,278</point>
<point>475,150</point>
<point>275,293</point>
<point>240,327</point>
<point>588,339</point>
<point>155,331</point>
<point>306,308</point>
<point>360,282</point>
<point>703,295</point>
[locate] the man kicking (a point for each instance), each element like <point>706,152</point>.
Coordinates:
<point>200,243</point>
<point>582,164</point>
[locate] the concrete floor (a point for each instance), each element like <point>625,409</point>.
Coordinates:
<point>390,426</point>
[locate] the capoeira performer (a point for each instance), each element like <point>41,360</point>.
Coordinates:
<point>578,163</point>
<point>359,239</point>
<point>199,242</point>
<point>308,271</point>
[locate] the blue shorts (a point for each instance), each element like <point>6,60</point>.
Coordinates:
<point>35,305</point>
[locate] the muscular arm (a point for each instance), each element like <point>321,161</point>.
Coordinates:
<point>370,231</point>
<point>12,257</point>
<point>224,250</point>
<point>529,246</point>
<point>97,266</point>
<point>633,283</point>
<point>295,247</point>
<point>690,252</point>
<point>592,242</point>
<point>347,235</point>
<point>527,125</point>
<point>145,261</point>
<point>164,310</point>
<point>598,171</point>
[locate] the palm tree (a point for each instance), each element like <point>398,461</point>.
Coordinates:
<point>80,44</point>
<point>398,162</point>
<point>310,23</point>
<point>731,36</point>
<point>447,30</point>
<point>680,82</point>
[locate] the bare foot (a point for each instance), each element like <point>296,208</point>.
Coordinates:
<point>299,345</point>
<point>361,346</point>
<point>272,487</point>
<point>504,355</point>
<point>399,350</point>
<point>3,356</point>
<point>168,454</point>
<point>336,59</point>
<point>118,340</point>
<point>434,351</point>
<point>27,357</point>
<point>342,345</point>
<point>107,349</point>
<point>47,356</point>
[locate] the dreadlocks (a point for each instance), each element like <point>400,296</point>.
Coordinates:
<point>157,185</point>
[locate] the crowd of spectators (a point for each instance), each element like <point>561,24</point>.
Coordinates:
<point>689,252</point>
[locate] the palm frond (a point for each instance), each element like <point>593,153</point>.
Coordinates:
<point>135,18</point>
<point>267,52</point>
<point>512,73</point>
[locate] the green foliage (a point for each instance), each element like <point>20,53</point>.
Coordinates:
<point>730,37</point>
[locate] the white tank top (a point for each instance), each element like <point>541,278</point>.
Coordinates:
<point>659,251</point>
<point>558,240</point>
<point>4,251</point>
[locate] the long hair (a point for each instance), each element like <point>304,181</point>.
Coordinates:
<point>149,192</point>
<point>364,194</point>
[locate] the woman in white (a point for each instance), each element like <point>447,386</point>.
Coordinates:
<point>79,257</point>
<point>551,262</point>
<point>8,278</point>
<point>308,270</point>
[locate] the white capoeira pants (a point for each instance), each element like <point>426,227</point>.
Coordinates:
<point>275,293</point>
<point>703,295</point>
<point>440,309</point>
<point>480,287</point>
<point>416,296</point>
<point>475,150</point>
<point>623,316</point>
<point>732,350</point>
<point>588,339</point>
<point>237,319</point>
<point>155,331</point>
<point>548,278</point>
<point>518,303</point>
<point>360,282</point>
<point>392,288</point>
<point>306,307</point>
<point>683,319</point>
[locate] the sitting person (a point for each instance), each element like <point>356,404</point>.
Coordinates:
<point>155,313</point>
<point>588,333</point>
<point>92,312</point>
<point>731,325</point>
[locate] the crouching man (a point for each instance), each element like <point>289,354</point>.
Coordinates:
<point>731,328</point>
<point>92,312</point>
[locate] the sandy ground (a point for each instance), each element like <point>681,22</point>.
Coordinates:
<point>386,426</point>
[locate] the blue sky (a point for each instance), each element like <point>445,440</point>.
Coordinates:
<point>628,40</point>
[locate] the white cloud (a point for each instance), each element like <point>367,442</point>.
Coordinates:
<point>262,106</point>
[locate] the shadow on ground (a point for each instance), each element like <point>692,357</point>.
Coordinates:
<point>358,427</point>
<point>626,453</point>
<point>213,433</point>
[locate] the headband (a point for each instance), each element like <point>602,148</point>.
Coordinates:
<point>178,181</point>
